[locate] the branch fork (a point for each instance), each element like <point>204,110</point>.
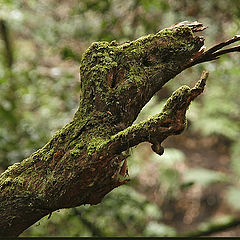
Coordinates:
<point>171,121</point>
<point>85,160</point>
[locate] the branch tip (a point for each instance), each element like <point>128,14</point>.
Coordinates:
<point>214,52</point>
<point>199,87</point>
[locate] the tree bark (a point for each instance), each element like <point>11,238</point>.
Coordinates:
<point>86,159</point>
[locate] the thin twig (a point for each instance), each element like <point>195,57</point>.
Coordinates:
<point>228,50</point>
<point>213,53</point>
<point>222,44</point>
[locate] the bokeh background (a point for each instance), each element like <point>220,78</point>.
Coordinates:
<point>195,185</point>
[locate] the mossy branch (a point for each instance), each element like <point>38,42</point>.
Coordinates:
<point>171,121</point>
<point>85,160</point>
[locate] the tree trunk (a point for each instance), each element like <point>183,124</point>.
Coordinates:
<point>86,159</point>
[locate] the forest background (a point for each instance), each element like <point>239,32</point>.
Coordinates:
<point>194,188</point>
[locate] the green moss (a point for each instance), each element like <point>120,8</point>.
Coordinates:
<point>94,144</point>
<point>177,97</point>
<point>77,150</point>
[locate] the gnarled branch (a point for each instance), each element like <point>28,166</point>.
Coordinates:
<point>84,160</point>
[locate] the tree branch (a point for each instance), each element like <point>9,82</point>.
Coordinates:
<point>213,53</point>
<point>86,159</point>
<point>171,121</point>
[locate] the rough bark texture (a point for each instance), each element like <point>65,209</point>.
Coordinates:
<point>84,160</point>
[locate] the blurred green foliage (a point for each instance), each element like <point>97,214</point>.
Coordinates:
<point>39,93</point>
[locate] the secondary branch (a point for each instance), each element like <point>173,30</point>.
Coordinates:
<point>170,121</point>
